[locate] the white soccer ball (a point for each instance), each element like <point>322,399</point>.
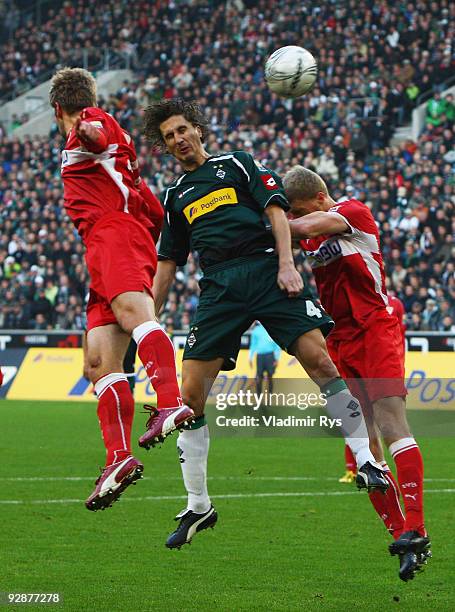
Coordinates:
<point>291,71</point>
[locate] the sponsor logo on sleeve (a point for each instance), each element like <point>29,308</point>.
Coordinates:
<point>209,203</point>
<point>328,251</point>
<point>269,182</point>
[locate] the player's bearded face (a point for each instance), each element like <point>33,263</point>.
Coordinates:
<point>182,138</point>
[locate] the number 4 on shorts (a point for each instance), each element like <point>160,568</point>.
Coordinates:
<point>312,310</point>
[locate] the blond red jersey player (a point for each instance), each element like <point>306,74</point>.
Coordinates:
<point>396,308</point>
<point>341,242</point>
<point>119,221</point>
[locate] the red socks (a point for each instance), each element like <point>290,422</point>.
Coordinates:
<point>349,459</point>
<point>387,505</point>
<point>115,414</point>
<point>409,463</point>
<point>157,354</point>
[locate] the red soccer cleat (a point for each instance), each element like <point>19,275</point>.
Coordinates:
<point>114,479</point>
<point>163,422</point>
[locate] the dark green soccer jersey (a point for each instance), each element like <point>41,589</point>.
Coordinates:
<point>218,210</point>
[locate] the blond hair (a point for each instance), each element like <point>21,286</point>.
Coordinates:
<point>73,88</point>
<point>303,184</point>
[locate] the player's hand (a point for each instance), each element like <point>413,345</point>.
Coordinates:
<point>289,280</point>
<point>90,136</point>
<point>251,363</point>
<point>85,131</point>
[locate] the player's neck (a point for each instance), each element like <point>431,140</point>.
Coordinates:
<point>69,121</point>
<point>329,202</point>
<point>193,164</point>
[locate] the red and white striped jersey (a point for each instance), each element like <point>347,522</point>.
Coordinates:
<point>96,184</point>
<point>348,267</point>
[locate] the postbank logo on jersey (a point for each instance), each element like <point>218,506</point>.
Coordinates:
<point>210,202</point>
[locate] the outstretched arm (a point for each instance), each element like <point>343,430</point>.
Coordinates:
<point>288,278</point>
<point>317,224</point>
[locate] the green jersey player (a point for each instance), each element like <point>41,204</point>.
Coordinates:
<point>219,207</point>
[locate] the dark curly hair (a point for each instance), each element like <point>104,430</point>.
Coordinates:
<point>161,110</point>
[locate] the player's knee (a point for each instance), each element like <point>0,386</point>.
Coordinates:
<point>131,310</point>
<point>98,367</point>
<point>322,367</point>
<point>126,317</point>
<point>194,399</point>
<point>390,416</point>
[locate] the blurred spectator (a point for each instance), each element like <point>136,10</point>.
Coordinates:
<point>184,44</point>
<point>430,315</point>
<point>436,108</point>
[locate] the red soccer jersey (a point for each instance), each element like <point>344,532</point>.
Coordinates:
<point>396,308</point>
<point>96,184</point>
<point>348,268</point>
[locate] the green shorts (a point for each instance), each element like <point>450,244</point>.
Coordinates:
<point>235,294</point>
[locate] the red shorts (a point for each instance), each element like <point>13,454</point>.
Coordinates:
<point>121,256</point>
<point>375,355</point>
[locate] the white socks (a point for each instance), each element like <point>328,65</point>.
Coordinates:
<point>343,406</point>
<point>193,449</point>
<point>143,329</point>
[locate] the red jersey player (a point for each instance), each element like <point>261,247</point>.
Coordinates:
<point>396,308</point>
<point>119,221</point>
<point>342,243</point>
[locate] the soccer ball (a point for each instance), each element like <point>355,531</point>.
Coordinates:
<point>291,71</point>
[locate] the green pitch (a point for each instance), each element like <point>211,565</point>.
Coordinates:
<point>289,536</point>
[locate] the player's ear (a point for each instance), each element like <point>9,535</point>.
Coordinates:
<point>199,132</point>
<point>58,111</point>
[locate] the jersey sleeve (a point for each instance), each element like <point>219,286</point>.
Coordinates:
<point>175,240</point>
<point>98,119</point>
<point>264,185</point>
<point>356,215</point>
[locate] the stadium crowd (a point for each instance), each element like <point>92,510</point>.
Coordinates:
<point>342,130</point>
<point>387,51</point>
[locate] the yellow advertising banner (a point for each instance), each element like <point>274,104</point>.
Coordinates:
<point>56,374</point>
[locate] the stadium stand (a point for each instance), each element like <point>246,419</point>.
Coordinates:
<point>374,59</point>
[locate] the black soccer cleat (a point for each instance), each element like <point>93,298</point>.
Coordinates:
<point>422,558</point>
<point>191,523</point>
<point>413,550</point>
<point>408,566</point>
<point>371,477</point>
